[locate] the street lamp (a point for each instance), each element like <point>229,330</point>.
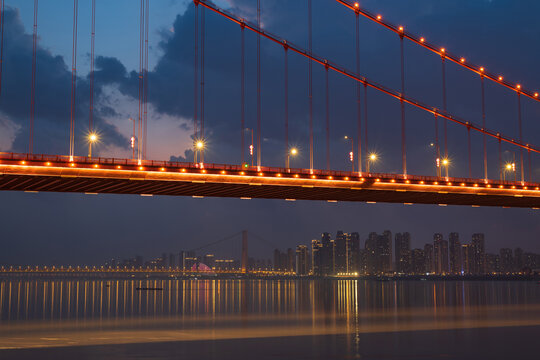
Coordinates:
<point>509,167</point>
<point>446,163</point>
<point>371,158</point>
<point>198,146</point>
<point>292,152</point>
<point>351,154</point>
<point>92,138</point>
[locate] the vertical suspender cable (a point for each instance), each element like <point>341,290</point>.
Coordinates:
<point>520,137</point>
<point>140,139</point>
<point>403,138</point>
<point>286,99</point>
<point>470,150</point>
<point>196,80</point>
<point>33,85</point>
<point>259,85</point>
<point>201,116</point>
<point>366,145</point>
<point>437,148</point>
<point>445,124</point>
<point>500,160</point>
<point>242,93</point>
<point>530,165</point>
<point>327,119</point>
<point>145,79</point>
<point>1,41</point>
<point>484,126</point>
<point>92,52</point>
<point>73,81</point>
<point>310,85</point>
<point>358,101</point>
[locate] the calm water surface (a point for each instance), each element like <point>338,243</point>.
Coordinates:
<point>268,319</point>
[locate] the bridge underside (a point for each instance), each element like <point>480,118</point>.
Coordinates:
<point>225,181</point>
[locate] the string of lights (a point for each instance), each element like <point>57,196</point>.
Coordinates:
<point>441,51</point>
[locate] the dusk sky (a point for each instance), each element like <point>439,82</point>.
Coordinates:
<point>48,228</point>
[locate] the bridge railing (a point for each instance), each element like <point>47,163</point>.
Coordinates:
<point>249,170</point>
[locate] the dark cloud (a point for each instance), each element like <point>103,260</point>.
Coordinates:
<point>53,91</point>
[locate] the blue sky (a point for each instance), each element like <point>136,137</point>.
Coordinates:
<point>499,34</point>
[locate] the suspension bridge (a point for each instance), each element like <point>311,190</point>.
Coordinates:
<point>89,174</point>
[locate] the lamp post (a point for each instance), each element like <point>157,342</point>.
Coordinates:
<point>92,138</point>
<point>351,154</point>
<point>291,152</point>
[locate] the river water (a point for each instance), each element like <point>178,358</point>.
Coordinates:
<point>268,319</point>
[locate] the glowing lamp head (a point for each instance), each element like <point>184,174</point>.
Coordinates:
<point>445,162</point>
<point>379,17</point>
<point>92,137</point>
<point>294,151</point>
<point>373,157</point>
<point>356,5</point>
<point>462,60</point>
<point>400,29</point>
<point>481,69</point>
<point>199,144</point>
<point>501,78</point>
<point>422,39</point>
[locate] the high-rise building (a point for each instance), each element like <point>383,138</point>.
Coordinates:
<point>378,253</point>
<point>467,256</point>
<point>384,245</point>
<point>341,253</point>
<point>507,261</point>
<point>492,264</point>
<point>440,254</point>
<point>290,260</point>
<point>478,245</point>
<point>456,263</point>
<point>327,255</point>
<point>362,259</point>
<point>302,260</point>
<point>403,252</point>
<point>371,253</point>
<point>418,262</point>
<point>353,253</point>
<point>316,246</point>
<point>531,261</point>
<point>278,263</point>
<point>428,255</point>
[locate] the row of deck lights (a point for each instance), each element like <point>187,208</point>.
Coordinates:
<point>330,177</point>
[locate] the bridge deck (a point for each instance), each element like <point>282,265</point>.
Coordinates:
<point>23,172</point>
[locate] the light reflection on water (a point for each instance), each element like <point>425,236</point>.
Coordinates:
<point>91,299</point>
<point>65,313</point>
